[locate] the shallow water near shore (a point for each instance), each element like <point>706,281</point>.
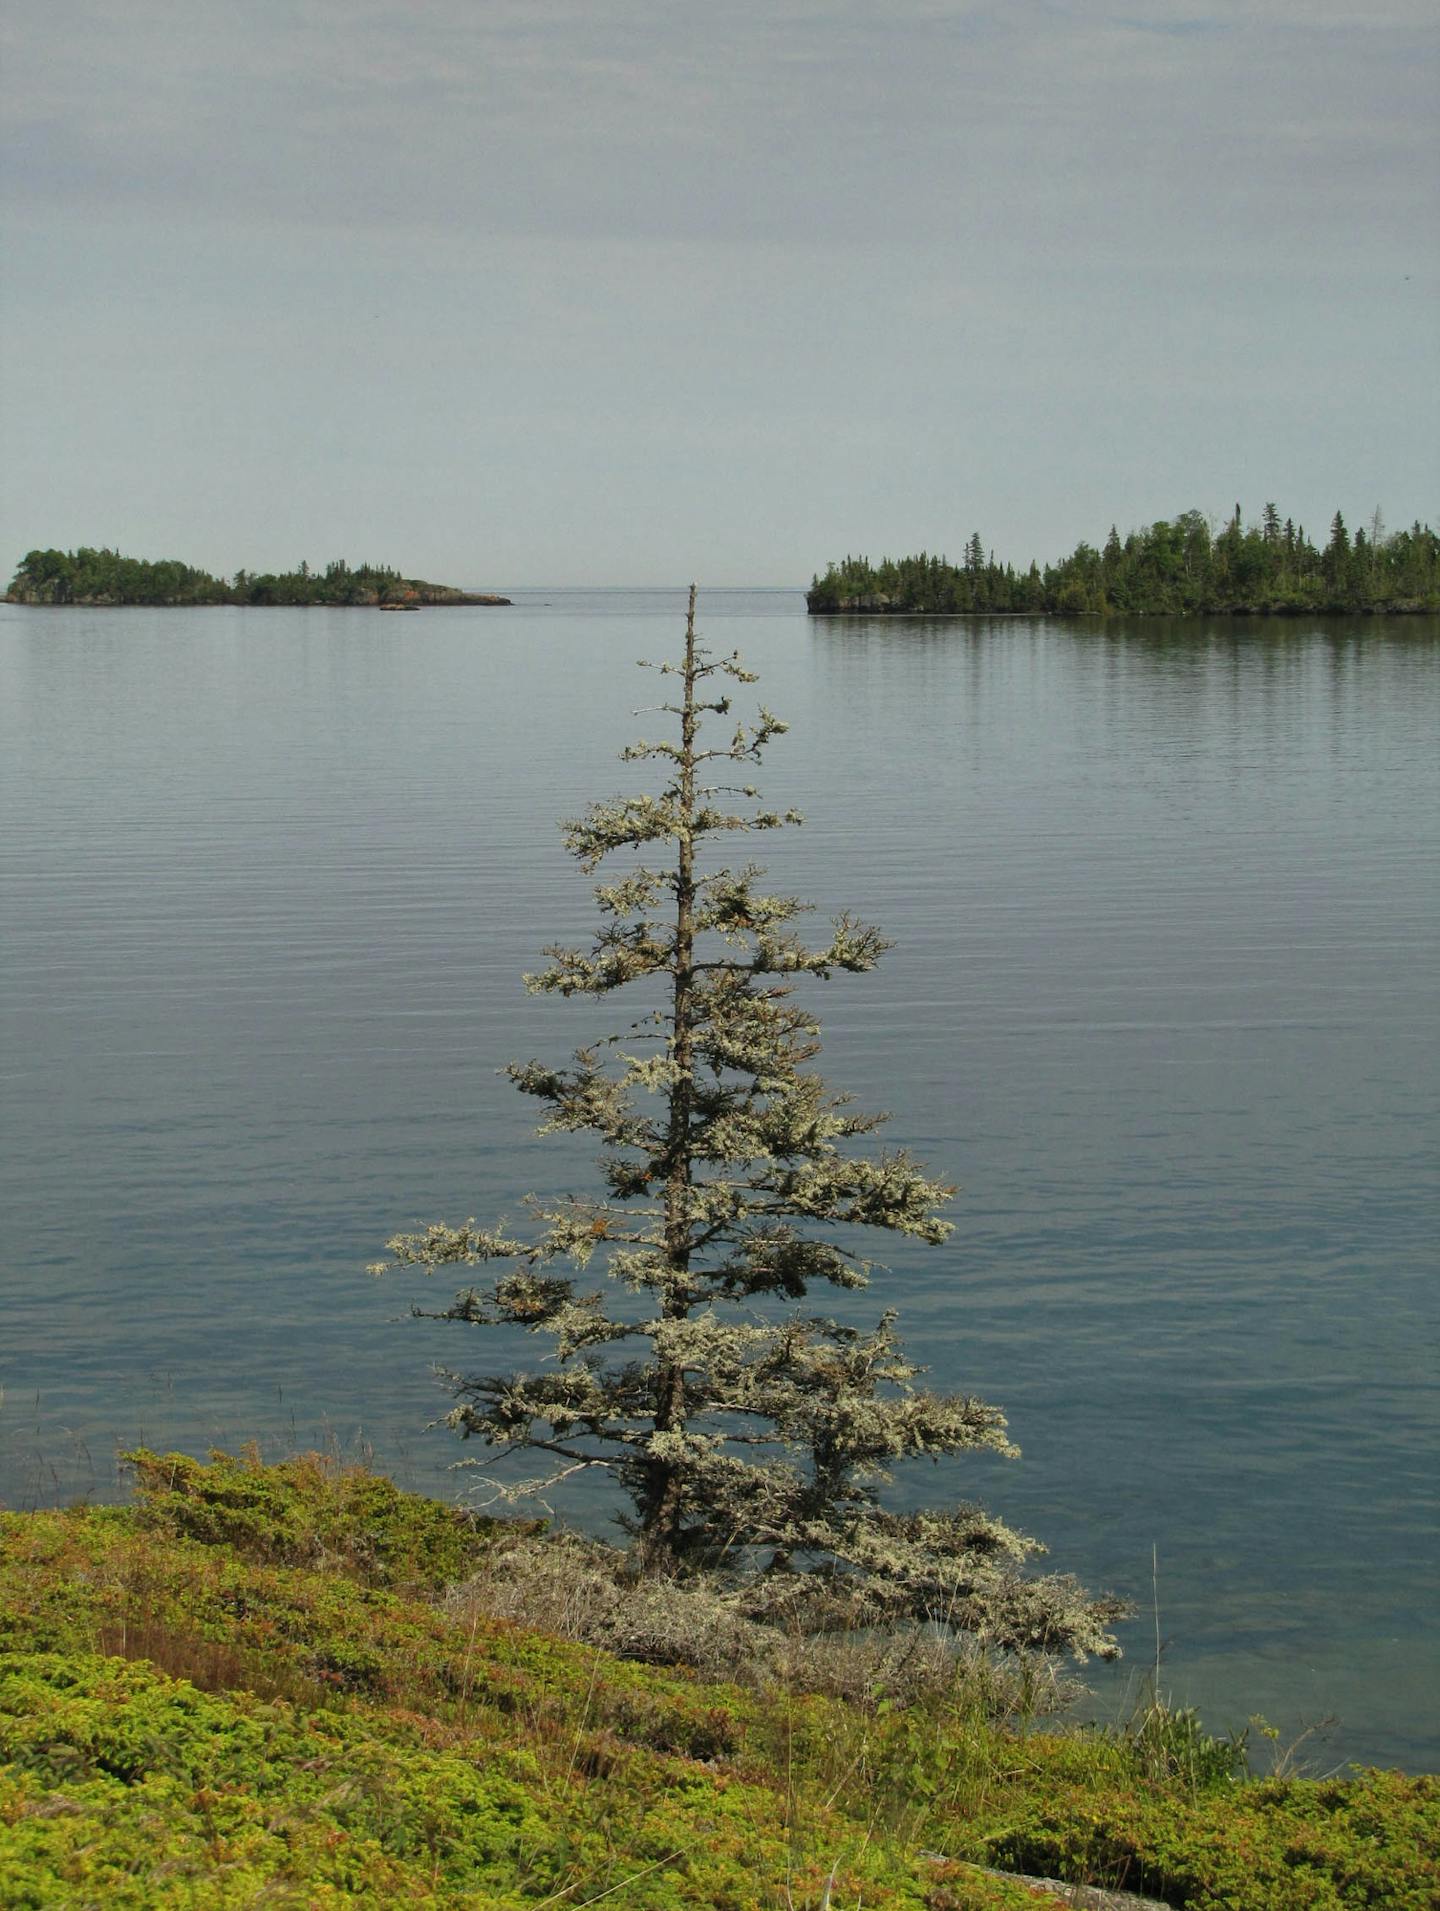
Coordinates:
<point>1164,1001</point>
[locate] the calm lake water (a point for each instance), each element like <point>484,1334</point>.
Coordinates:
<point>1164,1002</point>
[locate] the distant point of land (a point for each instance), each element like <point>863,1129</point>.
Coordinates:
<point>1176,567</point>
<point>104,578</point>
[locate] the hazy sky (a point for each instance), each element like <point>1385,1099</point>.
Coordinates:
<point>621,291</point>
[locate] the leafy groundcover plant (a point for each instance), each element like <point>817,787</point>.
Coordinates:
<point>280,1686</point>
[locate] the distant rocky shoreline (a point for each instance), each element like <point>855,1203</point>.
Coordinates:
<point>417,595</point>
<point>885,607</point>
<point>439,600</point>
<point>170,603</point>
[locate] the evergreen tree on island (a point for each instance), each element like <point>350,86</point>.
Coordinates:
<point>1174,567</point>
<point>750,1438</point>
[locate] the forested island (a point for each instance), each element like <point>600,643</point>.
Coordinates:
<point>1176,567</point>
<point>104,577</point>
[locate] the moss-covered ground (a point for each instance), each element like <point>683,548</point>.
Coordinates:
<point>245,1690</point>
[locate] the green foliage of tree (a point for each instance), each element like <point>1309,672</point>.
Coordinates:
<point>104,577</point>
<point>1173,567</point>
<point>743,1432</point>
<point>338,584</point>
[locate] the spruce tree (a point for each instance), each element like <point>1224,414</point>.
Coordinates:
<point>750,1438</point>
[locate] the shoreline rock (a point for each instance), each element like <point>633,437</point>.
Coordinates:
<point>428,597</point>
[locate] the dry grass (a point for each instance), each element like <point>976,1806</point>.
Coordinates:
<point>581,1590</point>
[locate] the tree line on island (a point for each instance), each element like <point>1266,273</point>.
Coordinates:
<point>103,577</point>
<point>1174,567</point>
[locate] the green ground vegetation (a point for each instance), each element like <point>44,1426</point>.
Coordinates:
<point>103,577</point>
<point>1176,567</point>
<point>286,1685</point>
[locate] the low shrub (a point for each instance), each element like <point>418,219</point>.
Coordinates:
<point>1372,1841</point>
<point>309,1511</point>
<point>228,1695</point>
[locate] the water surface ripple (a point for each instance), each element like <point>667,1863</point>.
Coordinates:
<point>1163,1002</point>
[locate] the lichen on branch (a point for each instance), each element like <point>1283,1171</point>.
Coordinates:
<point>753,1439</point>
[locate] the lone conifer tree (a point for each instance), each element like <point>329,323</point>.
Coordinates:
<point>749,1438</point>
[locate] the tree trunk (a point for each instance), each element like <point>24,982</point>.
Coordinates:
<point>660,1522</point>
